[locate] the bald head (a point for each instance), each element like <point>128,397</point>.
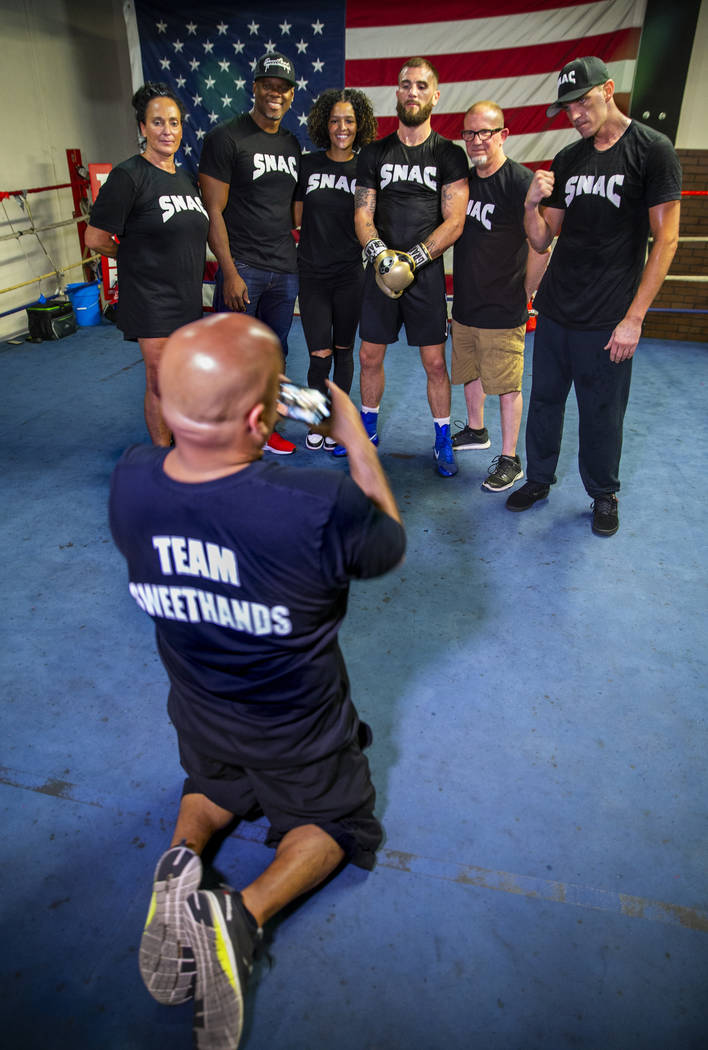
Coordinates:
<point>213,373</point>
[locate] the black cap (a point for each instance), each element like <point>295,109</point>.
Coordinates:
<point>575,80</point>
<point>275,65</point>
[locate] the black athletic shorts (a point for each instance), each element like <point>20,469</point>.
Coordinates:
<point>330,307</point>
<point>334,793</point>
<point>422,309</point>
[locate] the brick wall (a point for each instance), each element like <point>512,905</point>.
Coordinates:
<point>691,259</point>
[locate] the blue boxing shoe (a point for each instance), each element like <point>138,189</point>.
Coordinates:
<point>445,463</point>
<point>370,421</point>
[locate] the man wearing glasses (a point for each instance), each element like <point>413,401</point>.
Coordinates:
<point>608,192</point>
<point>495,273</point>
<point>410,201</point>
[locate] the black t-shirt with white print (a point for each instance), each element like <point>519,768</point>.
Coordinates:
<point>598,260</point>
<point>489,257</point>
<point>408,181</point>
<point>328,243</point>
<point>262,171</point>
<point>162,225</point>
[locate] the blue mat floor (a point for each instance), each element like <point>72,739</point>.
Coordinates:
<point>538,700</point>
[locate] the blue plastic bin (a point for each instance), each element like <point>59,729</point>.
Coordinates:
<point>86,302</point>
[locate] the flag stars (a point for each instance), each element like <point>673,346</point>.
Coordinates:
<point>253,28</point>
<point>194,64</point>
<point>285,28</point>
<point>302,119</point>
<point>222,27</point>
<point>164,63</point>
<point>317,27</point>
<point>161,27</point>
<point>213,117</point>
<point>197,100</point>
<point>270,47</point>
<point>238,47</point>
<point>208,47</point>
<point>301,46</point>
<point>191,28</point>
<point>187,150</point>
<point>209,82</point>
<point>225,100</point>
<point>178,45</point>
<point>224,65</point>
<point>180,82</point>
<point>200,134</point>
<point>317,65</point>
<point>302,83</point>
<point>240,83</point>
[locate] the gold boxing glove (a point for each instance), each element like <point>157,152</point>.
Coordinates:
<point>393,272</point>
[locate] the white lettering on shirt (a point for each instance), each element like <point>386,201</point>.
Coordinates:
<point>595,185</point>
<point>172,204</point>
<point>190,557</point>
<point>266,162</point>
<point>327,181</point>
<point>481,214</point>
<point>409,173</point>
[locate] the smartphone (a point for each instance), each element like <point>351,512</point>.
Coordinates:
<point>304,403</point>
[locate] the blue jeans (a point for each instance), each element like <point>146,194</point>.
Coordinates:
<point>272,297</point>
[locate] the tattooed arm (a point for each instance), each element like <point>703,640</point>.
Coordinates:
<point>364,209</point>
<point>453,203</point>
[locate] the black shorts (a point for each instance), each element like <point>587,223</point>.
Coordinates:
<point>334,793</point>
<point>422,309</point>
<point>330,307</point>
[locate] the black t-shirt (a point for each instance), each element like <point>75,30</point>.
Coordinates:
<point>246,578</point>
<point>162,225</point>
<point>261,170</point>
<point>328,243</point>
<point>489,258</point>
<point>408,181</point>
<point>597,263</point>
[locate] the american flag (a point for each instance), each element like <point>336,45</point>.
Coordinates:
<point>509,51</point>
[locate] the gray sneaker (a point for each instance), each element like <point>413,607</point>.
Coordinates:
<point>467,438</point>
<point>166,959</point>
<point>224,942</point>
<point>503,472</point>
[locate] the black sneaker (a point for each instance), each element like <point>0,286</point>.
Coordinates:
<point>467,438</point>
<point>224,940</point>
<point>503,472</point>
<point>527,495</point>
<point>605,519</point>
<point>165,958</point>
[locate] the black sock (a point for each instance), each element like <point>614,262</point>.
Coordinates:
<point>318,372</point>
<point>343,367</point>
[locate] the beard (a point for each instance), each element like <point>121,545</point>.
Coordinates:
<point>414,118</point>
<point>478,160</point>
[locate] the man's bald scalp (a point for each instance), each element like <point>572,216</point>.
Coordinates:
<point>218,368</point>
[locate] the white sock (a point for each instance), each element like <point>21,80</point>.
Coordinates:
<point>442,421</point>
<point>374,410</point>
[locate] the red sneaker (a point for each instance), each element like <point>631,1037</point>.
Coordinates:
<point>279,445</point>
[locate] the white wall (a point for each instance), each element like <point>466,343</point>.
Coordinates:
<point>65,83</point>
<point>693,126</point>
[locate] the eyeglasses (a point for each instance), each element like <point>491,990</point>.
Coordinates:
<point>484,134</point>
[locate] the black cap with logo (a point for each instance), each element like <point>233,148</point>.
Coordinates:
<point>575,80</point>
<point>275,65</point>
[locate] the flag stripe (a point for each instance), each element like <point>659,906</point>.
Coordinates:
<point>531,29</point>
<point>365,13</point>
<point>522,120</point>
<point>511,62</point>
